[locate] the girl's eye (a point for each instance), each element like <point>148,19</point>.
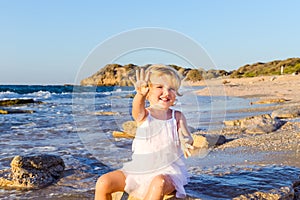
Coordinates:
<point>172,89</point>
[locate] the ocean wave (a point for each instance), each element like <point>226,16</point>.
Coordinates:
<point>41,94</point>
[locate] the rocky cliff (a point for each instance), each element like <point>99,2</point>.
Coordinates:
<point>115,74</point>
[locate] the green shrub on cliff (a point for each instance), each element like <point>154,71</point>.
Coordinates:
<point>292,69</point>
<point>290,66</point>
<point>193,75</point>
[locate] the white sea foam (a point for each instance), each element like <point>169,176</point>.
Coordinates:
<point>8,95</point>
<point>41,94</point>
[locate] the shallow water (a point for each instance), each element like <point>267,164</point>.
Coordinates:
<point>226,182</point>
<point>67,124</point>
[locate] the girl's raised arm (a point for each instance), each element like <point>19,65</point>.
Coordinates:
<point>141,87</point>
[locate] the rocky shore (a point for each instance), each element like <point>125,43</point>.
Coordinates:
<point>279,128</point>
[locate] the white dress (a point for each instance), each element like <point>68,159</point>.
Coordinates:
<point>156,150</point>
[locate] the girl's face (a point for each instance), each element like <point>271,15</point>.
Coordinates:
<point>162,94</point>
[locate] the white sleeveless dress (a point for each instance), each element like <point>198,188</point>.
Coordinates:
<point>156,150</point>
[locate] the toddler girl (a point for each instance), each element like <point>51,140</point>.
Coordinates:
<point>161,140</point>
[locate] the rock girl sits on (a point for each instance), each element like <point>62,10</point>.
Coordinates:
<point>161,140</point>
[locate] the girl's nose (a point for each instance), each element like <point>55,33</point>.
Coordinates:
<point>166,91</point>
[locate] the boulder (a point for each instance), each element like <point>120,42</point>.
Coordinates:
<point>32,172</point>
<point>288,112</point>
<point>256,124</point>
<point>129,127</point>
<point>215,140</point>
<point>200,141</point>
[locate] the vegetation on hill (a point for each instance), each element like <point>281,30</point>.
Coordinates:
<point>291,65</point>
<point>115,74</point>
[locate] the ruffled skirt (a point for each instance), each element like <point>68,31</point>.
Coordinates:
<point>137,184</point>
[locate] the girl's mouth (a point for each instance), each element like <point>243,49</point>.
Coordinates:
<point>164,99</point>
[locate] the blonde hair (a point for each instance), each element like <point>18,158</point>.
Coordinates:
<point>170,72</point>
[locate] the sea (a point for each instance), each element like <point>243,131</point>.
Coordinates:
<point>76,123</point>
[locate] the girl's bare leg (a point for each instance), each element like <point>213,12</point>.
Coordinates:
<point>109,183</point>
<point>159,186</point>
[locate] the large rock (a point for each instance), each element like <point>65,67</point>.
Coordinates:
<point>288,112</point>
<point>256,124</point>
<point>31,172</point>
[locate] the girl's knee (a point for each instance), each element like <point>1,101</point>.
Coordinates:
<point>103,183</point>
<point>162,183</point>
<point>159,180</point>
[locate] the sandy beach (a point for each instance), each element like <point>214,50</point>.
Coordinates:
<point>264,87</point>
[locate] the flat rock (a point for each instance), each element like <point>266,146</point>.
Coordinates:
<point>10,102</point>
<point>14,111</point>
<point>270,101</point>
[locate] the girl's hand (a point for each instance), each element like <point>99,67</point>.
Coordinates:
<point>141,82</point>
<point>186,147</point>
<point>186,140</point>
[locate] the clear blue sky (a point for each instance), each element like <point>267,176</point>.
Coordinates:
<point>46,41</point>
